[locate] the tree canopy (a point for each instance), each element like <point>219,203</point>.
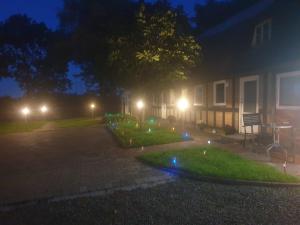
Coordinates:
<point>129,46</point>
<point>33,55</point>
<point>156,55</point>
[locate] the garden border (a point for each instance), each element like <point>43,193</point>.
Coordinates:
<point>194,176</point>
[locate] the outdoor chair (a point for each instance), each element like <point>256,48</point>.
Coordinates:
<point>250,120</point>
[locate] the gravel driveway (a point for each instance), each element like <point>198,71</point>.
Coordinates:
<point>183,202</point>
<point>65,162</point>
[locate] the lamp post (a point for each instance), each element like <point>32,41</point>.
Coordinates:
<point>183,105</point>
<point>92,107</point>
<point>44,110</point>
<point>25,111</point>
<point>140,106</point>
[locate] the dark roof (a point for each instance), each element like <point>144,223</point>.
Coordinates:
<point>249,13</point>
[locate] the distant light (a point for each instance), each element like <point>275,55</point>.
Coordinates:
<point>25,111</point>
<point>149,130</point>
<point>93,106</point>
<point>173,128</point>
<point>182,104</point>
<point>209,142</point>
<point>44,109</point>
<point>140,104</point>
<point>204,152</point>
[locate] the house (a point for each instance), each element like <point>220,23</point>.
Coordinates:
<point>251,65</point>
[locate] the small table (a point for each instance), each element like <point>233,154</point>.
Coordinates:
<point>276,135</point>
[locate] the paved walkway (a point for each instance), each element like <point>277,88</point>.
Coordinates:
<point>69,161</point>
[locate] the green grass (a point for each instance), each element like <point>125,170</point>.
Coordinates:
<point>128,130</point>
<point>214,162</point>
<point>19,126</point>
<point>78,122</point>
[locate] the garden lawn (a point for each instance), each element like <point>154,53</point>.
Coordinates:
<point>78,122</point>
<point>215,162</point>
<point>20,126</point>
<point>126,131</point>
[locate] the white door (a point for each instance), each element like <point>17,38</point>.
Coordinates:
<point>249,99</point>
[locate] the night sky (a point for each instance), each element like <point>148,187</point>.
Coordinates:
<point>45,11</point>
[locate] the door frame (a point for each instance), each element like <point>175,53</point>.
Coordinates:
<point>241,99</point>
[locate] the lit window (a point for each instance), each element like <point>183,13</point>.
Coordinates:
<point>262,32</point>
<point>288,90</point>
<point>220,93</point>
<point>199,95</point>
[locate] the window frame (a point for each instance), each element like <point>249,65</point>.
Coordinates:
<point>195,94</point>
<point>215,92</point>
<point>255,41</point>
<point>278,80</point>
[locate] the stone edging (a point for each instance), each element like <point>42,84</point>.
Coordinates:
<point>186,174</point>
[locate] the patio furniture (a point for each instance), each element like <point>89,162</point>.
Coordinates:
<point>276,137</point>
<point>250,120</point>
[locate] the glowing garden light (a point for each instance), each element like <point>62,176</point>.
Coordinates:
<point>25,112</point>
<point>174,161</point>
<point>140,104</point>
<point>209,142</point>
<point>173,129</point>
<point>44,109</point>
<point>93,107</point>
<point>183,104</point>
<point>149,130</point>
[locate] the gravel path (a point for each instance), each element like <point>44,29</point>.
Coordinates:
<point>183,202</point>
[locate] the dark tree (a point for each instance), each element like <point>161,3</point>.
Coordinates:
<point>90,25</point>
<point>108,42</point>
<point>33,55</point>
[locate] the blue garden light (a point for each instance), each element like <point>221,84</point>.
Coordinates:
<point>174,161</point>
<point>114,125</point>
<point>186,136</point>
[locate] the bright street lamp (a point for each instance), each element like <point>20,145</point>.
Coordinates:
<point>140,106</point>
<point>183,105</point>
<point>25,111</point>
<point>44,109</point>
<point>92,107</point>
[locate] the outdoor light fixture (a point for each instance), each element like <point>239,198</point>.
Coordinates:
<point>25,111</point>
<point>140,104</point>
<point>44,109</point>
<point>93,106</point>
<point>209,142</point>
<point>182,104</point>
<point>174,161</point>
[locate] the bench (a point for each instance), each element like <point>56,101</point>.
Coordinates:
<point>250,120</point>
